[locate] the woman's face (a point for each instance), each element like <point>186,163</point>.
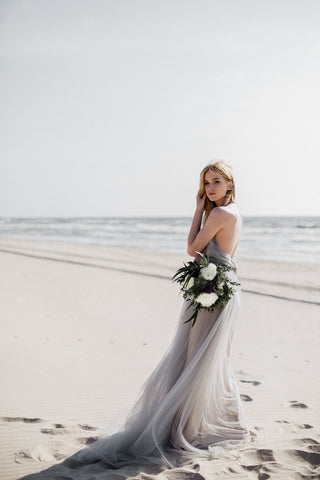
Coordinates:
<point>216,186</point>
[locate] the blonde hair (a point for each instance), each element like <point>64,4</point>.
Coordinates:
<point>225,171</point>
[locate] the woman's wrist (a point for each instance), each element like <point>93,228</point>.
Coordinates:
<point>199,211</point>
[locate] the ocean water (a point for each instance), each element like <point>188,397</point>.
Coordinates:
<point>276,238</point>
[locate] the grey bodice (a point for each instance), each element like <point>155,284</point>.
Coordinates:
<point>216,255</point>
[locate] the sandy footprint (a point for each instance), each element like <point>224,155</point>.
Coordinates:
<point>57,442</point>
<point>255,383</point>
<point>87,440</point>
<point>43,452</point>
<point>245,398</point>
<point>21,419</point>
<point>292,427</point>
<point>182,474</point>
<point>295,404</point>
<point>53,431</point>
<point>60,429</point>
<point>87,427</point>
<point>310,443</point>
<point>255,456</point>
<point>259,461</point>
<point>310,461</point>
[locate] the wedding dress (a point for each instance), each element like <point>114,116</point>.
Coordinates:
<point>190,405</point>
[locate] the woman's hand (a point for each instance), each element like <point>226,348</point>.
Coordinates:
<point>196,225</point>
<point>201,201</point>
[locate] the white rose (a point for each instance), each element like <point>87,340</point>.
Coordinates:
<point>207,299</point>
<point>189,284</point>
<point>213,268</point>
<point>209,272</point>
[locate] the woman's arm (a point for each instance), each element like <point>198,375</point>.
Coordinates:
<point>199,238</point>
<point>194,230</point>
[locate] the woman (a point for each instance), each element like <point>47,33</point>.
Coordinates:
<point>190,405</point>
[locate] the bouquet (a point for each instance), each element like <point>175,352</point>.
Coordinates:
<point>205,284</point>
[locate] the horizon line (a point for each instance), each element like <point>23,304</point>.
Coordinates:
<point>151,216</point>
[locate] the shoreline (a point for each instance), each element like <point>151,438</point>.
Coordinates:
<point>257,276</point>
<point>149,247</point>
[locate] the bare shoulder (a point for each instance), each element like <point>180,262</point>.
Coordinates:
<point>217,214</point>
<point>226,214</point>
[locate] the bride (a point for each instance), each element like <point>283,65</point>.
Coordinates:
<point>190,405</point>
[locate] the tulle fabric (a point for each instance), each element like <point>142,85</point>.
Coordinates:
<point>190,405</point>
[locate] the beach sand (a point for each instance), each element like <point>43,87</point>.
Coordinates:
<point>83,326</point>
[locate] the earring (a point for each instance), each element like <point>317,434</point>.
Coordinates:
<point>227,197</point>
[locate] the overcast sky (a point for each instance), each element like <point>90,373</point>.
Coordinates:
<point>112,107</point>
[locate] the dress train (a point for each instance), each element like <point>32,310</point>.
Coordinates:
<point>190,405</point>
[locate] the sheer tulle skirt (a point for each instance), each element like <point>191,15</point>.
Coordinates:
<point>190,405</point>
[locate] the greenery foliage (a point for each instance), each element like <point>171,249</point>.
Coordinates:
<point>206,285</point>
